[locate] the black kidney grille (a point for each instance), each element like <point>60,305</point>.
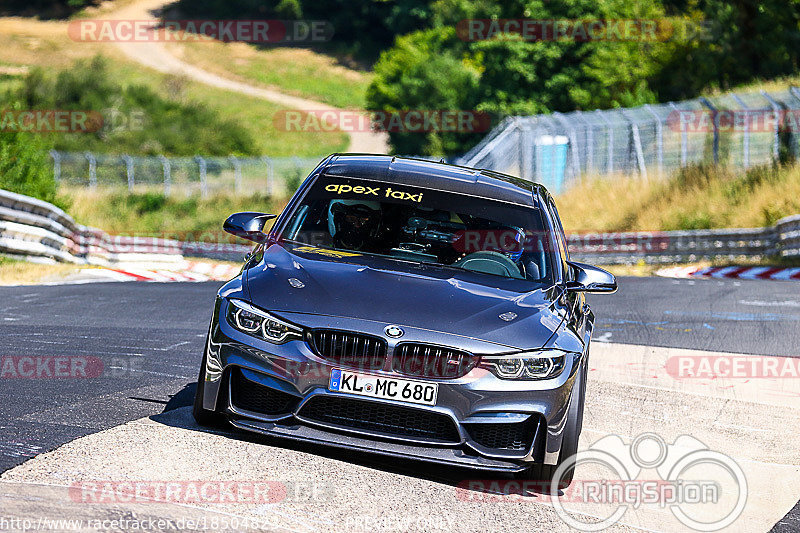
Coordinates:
<point>350,349</point>
<point>424,360</point>
<point>257,398</point>
<point>380,418</point>
<point>517,436</point>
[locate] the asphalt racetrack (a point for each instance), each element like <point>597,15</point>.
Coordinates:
<point>143,343</point>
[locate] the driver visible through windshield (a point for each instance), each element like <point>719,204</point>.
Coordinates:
<point>423,225</point>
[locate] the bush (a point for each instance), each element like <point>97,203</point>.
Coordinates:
<point>136,119</point>
<point>25,167</point>
<point>43,8</point>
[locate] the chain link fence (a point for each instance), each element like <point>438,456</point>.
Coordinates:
<point>738,130</point>
<point>181,175</point>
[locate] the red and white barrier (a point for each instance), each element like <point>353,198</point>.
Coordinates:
<point>732,272</point>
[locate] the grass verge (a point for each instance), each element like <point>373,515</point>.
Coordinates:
<point>699,197</point>
<point>18,272</point>
<point>153,214</point>
<point>296,71</point>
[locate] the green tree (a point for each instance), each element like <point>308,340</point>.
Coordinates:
<point>422,72</point>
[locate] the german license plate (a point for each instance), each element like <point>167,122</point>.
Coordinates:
<point>403,390</point>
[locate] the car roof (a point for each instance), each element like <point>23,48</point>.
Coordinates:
<point>434,175</point>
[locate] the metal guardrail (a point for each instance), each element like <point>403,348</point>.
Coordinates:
<point>33,228</point>
<point>781,240</point>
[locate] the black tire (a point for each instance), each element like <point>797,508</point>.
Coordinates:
<point>202,416</point>
<point>569,444</point>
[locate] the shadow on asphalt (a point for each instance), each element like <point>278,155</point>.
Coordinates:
<point>450,475</point>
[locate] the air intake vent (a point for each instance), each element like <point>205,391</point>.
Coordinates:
<point>252,396</point>
<point>380,418</point>
<point>516,436</point>
<point>424,360</point>
<point>349,349</point>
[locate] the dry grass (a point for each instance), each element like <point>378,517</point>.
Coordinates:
<point>773,85</point>
<point>186,218</point>
<point>696,198</point>
<point>14,272</point>
<point>296,71</point>
<point>26,42</point>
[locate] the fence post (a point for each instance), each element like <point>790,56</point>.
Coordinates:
<point>92,169</point>
<point>715,121</point>
<point>776,142</point>
<point>795,131</point>
<point>165,164</point>
<point>525,149</point>
<point>201,165</point>
<point>237,174</point>
<point>129,170</point>
<point>56,165</point>
<point>659,139</point>
<point>520,148</point>
<point>589,136</point>
<point>636,140</point>
<point>610,161</point>
<point>746,135</point>
<point>684,136</point>
<point>270,175</point>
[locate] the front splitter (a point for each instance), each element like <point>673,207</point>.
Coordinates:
<point>438,455</point>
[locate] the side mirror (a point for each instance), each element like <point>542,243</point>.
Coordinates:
<point>589,278</point>
<point>248,225</point>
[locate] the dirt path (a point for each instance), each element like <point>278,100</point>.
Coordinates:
<point>155,55</point>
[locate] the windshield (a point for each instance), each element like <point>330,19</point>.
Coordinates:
<point>423,225</point>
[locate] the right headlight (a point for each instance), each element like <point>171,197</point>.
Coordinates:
<point>260,324</point>
<point>534,364</point>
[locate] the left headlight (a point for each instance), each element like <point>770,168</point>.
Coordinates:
<point>539,364</point>
<point>260,324</point>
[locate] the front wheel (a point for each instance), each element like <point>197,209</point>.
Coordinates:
<point>569,443</point>
<point>203,416</point>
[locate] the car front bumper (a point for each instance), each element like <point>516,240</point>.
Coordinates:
<point>489,423</point>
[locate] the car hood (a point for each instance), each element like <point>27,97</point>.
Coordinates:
<point>405,293</point>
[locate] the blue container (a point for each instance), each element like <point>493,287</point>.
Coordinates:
<point>551,161</point>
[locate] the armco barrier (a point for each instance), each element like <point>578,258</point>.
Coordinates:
<point>31,227</point>
<point>781,240</point>
<point>36,229</point>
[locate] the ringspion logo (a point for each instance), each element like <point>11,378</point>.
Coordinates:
<point>703,489</point>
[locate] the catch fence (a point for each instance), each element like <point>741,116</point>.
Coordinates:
<point>181,175</point>
<point>737,130</point>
